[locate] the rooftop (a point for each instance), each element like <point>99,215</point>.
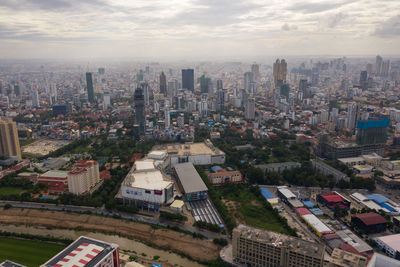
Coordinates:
<point>189,149</point>
<point>55,173</point>
<point>392,241</point>
<point>84,250</point>
<point>370,218</point>
<point>281,240</point>
<point>189,178</point>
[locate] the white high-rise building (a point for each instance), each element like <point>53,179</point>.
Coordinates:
<point>167,117</point>
<point>352,116</point>
<point>106,100</point>
<point>249,82</point>
<point>83,177</point>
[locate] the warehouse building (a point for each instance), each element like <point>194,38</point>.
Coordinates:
<point>390,245</point>
<point>366,202</point>
<point>86,251</point>
<point>256,247</point>
<point>146,187</point>
<point>204,153</point>
<point>190,182</point>
<point>369,222</point>
<point>331,200</point>
<point>316,225</point>
<point>273,200</point>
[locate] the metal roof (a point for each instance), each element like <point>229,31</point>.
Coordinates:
<point>189,178</point>
<point>266,193</point>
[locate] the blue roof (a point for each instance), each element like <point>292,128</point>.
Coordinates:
<point>387,206</point>
<point>216,168</point>
<point>266,193</point>
<point>229,168</point>
<point>378,198</point>
<point>308,203</point>
<point>317,211</point>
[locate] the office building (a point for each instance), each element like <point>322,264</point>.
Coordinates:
<point>146,186</point>
<point>140,117</point>
<point>89,87</point>
<point>167,117</point>
<point>352,116</point>
<point>205,84</point>
<point>190,182</point>
<point>188,79</point>
<point>364,80</point>
<point>250,109</point>
<point>106,100</point>
<point>255,247</point>
<point>84,177</point>
<point>220,98</point>
<point>385,70</point>
<point>249,83</point>
<point>279,72</point>
<point>86,251</point>
<point>163,84</point>
<point>9,142</point>
<point>101,71</point>
<point>378,65</point>
<point>255,69</point>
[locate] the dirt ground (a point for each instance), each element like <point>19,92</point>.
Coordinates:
<point>196,248</point>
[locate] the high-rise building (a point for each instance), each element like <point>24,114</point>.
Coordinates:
<point>163,83</point>
<point>89,86</point>
<point>146,92</point>
<point>249,82</point>
<point>188,79</point>
<point>219,85</point>
<point>250,109</point>
<point>167,117</point>
<point>35,98</point>
<point>279,72</point>
<point>9,142</point>
<point>205,84</point>
<point>285,90</point>
<point>352,116</point>
<point>83,177</point>
<point>378,65</point>
<point>140,118</point>
<point>256,247</point>
<point>106,100</point>
<point>369,69</point>
<point>373,130</point>
<point>385,70</point>
<point>255,68</point>
<point>101,71</point>
<point>364,80</point>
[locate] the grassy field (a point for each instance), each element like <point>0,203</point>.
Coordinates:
<point>11,191</point>
<point>27,252</point>
<point>246,208</point>
<point>25,142</point>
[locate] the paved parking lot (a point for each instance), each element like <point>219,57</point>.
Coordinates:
<point>204,211</point>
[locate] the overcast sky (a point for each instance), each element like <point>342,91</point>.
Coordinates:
<point>204,29</point>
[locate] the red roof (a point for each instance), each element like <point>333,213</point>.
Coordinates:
<point>303,211</point>
<point>370,218</point>
<point>332,198</point>
<point>331,236</point>
<point>105,175</point>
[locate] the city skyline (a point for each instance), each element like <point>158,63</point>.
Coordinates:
<point>196,29</point>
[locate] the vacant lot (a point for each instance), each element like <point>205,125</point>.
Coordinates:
<point>245,208</point>
<point>196,248</point>
<point>5,191</point>
<point>44,147</point>
<point>27,252</point>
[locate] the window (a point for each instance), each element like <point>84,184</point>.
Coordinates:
<point>147,191</point>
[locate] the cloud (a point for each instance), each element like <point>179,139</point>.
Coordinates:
<point>286,27</point>
<point>389,28</point>
<point>52,5</point>
<point>316,7</point>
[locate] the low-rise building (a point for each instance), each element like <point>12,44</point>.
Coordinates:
<point>279,167</point>
<point>84,177</point>
<point>190,182</point>
<point>326,169</point>
<point>331,200</point>
<point>86,251</point>
<point>223,176</point>
<point>341,258</point>
<point>369,222</point>
<point>390,245</point>
<point>255,247</point>
<point>56,181</point>
<point>146,186</point>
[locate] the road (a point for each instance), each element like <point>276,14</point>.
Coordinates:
<point>104,212</point>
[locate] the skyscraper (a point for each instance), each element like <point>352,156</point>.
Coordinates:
<point>249,82</point>
<point>279,72</point>
<point>167,117</point>
<point>188,79</point>
<point>373,130</point>
<point>378,65</point>
<point>255,68</point>
<point>205,84</point>
<point>364,80</point>
<point>89,86</point>
<point>139,109</point>
<point>352,116</point>
<point>106,100</point>
<point>163,83</point>
<point>250,109</point>
<point>385,68</point>
<point>9,142</point>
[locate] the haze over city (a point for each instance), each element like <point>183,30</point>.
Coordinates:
<point>194,29</point>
